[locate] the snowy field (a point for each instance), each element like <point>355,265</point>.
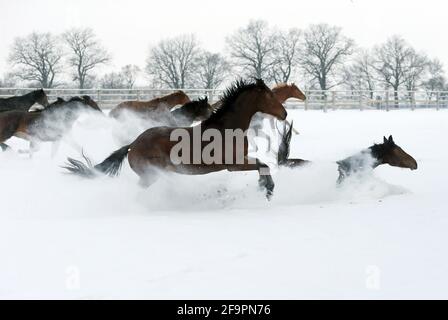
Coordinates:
<point>216,236</point>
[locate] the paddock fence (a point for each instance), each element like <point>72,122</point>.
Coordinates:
<point>316,99</point>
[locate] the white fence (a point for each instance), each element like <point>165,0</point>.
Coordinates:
<point>322,100</point>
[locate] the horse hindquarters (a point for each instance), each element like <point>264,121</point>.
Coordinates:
<point>9,123</point>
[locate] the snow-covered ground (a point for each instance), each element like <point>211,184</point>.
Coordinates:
<point>216,236</point>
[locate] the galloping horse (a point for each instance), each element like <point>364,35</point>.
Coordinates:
<point>151,151</point>
<point>25,102</point>
<point>162,104</point>
<point>378,154</point>
<point>284,91</point>
<point>47,125</point>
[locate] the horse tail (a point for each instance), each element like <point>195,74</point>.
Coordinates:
<point>110,166</point>
<point>285,145</point>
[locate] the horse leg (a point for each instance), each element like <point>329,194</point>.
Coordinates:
<point>265,181</point>
<point>4,146</point>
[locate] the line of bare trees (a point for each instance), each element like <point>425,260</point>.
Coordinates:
<point>320,57</point>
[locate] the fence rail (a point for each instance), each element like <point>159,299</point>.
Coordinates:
<point>316,99</point>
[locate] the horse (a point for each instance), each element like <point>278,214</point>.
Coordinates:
<point>284,91</point>
<point>147,108</point>
<point>193,111</point>
<point>153,150</point>
<point>379,154</point>
<point>25,102</point>
<point>47,125</point>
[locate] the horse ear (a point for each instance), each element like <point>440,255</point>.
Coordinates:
<point>391,139</point>
<point>206,99</point>
<point>385,139</point>
<point>260,82</point>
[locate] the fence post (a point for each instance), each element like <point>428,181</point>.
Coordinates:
<point>325,102</point>
<point>307,100</point>
<point>413,103</point>
<point>387,100</point>
<point>333,100</point>
<point>438,101</point>
<point>98,96</point>
<point>361,107</point>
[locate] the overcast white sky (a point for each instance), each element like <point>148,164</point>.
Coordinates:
<point>127,28</point>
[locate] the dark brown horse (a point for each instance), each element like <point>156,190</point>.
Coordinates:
<point>379,154</point>
<point>148,108</point>
<point>153,150</point>
<point>47,125</point>
<point>196,110</point>
<point>25,102</point>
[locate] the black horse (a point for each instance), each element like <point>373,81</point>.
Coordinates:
<point>25,102</point>
<point>198,110</point>
<point>47,125</point>
<point>379,154</point>
<point>386,153</point>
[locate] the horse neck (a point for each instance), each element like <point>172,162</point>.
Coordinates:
<point>377,155</point>
<point>282,93</point>
<point>359,161</point>
<point>29,98</point>
<point>239,117</point>
<point>173,99</point>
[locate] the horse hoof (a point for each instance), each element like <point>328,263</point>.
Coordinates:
<point>269,195</point>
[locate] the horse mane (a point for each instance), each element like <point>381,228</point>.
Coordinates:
<point>230,95</point>
<point>281,85</point>
<point>379,150</point>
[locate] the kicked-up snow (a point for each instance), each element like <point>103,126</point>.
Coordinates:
<point>215,236</point>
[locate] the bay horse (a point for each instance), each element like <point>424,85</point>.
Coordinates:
<point>146,108</point>
<point>379,154</point>
<point>47,125</point>
<point>152,150</point>
<point>25,102</point>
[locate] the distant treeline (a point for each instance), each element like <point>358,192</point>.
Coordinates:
<point>320,57</point>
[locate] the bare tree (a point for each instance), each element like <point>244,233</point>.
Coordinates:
<point>8,81</point>
<point>113,80</point>
<point>172,61</point>
<point>393,61</point>
<point>360,75</point>
<point>435,78</point>
<point>253,49</point>
<point>86,53</point>
<point>416,67</point>
<point>213,70</point>
<point>286,55</point>
<point>324,49</point>
<point>37,58</point>
<point>130,73</point>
